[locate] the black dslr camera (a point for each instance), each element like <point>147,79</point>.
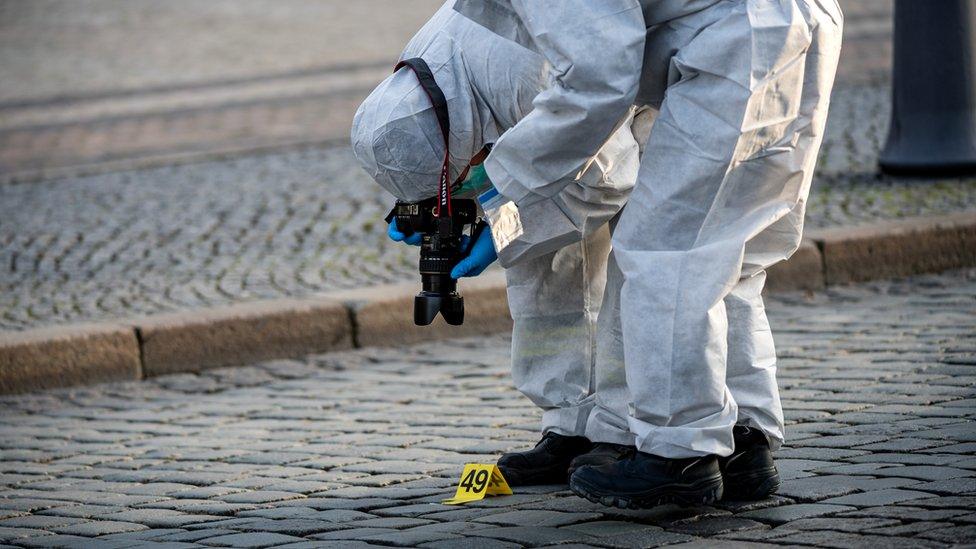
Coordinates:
<point>440,251</point>
<point>440,219</point>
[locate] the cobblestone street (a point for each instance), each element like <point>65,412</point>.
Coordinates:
<point>123,240</point>
<point>294,223</point>
<point>157,157</point>
<point>358,448</point>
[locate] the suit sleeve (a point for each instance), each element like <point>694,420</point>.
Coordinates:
<point>595,49</point>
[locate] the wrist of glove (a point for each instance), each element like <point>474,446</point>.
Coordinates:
<point>480,253</point>
<point>475,182</point>
<point>480,247</point>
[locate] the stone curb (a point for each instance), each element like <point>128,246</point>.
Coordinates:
<point>898,248</point>
<point>383,316</point>
<point>61,356</point>
<point>191,341</point>
<point>803,271</point>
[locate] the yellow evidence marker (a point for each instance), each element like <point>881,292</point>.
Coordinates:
<point>477,481</point>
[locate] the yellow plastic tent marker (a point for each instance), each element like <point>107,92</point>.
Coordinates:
<point>477,481</point>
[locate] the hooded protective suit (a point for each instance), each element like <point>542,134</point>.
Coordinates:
<point>557,265</point>
<point>742,88</point>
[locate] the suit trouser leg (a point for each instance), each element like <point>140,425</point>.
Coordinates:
<point>719,196</point>
<point>554,300</point>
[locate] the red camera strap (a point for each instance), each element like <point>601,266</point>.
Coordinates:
<point>426,78</point>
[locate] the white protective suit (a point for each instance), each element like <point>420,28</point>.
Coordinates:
<point>742,89</point>
<point>557,268</point>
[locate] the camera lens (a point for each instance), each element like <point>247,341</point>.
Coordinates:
<point>439,294</point>
<point>426,306</point>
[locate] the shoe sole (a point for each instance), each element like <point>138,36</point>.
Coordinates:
<point>752,486</point>
<point>702,493</point>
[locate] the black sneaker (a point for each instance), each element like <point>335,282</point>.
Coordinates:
<point>749,473</point>
<point>603,453</point>
<point>547,463</point>
<point>645,481</point>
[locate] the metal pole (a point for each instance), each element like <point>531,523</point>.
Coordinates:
<point>933,119</point>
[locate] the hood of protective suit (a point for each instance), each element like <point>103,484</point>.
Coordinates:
<point>395,134</point>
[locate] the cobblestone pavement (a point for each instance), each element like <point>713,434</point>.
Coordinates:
<point>294,223</point>
<point>288,223</point>
<point>358,448</point>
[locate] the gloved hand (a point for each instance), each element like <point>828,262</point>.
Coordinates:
<point>481,254</point>
<point>414,240</point>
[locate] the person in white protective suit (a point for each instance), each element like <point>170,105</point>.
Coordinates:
<point>739,91</point>
<point>556,264</point>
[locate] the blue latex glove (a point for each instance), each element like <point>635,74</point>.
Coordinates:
<point>414,240</point>
<point>481,254</point>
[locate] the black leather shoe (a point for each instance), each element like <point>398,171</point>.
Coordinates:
<point>603,453</point>
<point>749,473</point>
<point>547,463</point>
<point>645,481</point>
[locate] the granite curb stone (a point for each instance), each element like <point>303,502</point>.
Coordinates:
<point>897,248</point>
<point>67,355</point>
<point>237,334</point>
<point>383,315</point>
<point>803,271</point>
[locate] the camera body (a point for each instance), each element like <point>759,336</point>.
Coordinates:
<point>440,251</point>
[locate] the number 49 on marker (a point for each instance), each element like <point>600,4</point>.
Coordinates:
<point>477,481</point>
